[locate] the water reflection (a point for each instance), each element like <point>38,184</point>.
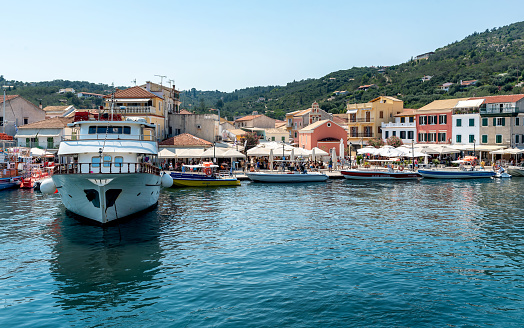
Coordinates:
<point>96,267</point>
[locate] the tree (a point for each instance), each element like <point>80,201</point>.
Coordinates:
<point>394,141</point>
<point>252,140</point>
<point>376,142</point>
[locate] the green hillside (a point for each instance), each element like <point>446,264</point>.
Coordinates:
<point>494,57</point>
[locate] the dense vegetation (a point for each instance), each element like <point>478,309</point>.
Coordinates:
<point>47,92</point>
<point>494,57</point>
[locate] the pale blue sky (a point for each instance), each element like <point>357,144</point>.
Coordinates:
<point>227,45</point>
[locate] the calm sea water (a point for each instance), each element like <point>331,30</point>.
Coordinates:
<point>337,254</point>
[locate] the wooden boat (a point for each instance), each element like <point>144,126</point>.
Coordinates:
<point>380,175</point>
<point>287,177</point>
<point>203,175</point>
<point>456,174</point>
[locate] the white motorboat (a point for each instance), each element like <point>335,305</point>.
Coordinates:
<point>106,171</point>
<point>287,177</point>
<point>516,171</point>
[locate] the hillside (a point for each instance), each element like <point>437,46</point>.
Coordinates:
<point>495,58</point>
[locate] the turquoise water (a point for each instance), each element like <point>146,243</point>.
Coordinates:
<point>337,254</point>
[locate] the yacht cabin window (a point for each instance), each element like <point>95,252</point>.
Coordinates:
<point>95,161</point>
<point>110,129</point>
<point>107,161</point>
<point>118,161</point>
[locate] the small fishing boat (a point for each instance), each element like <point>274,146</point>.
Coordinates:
<point>380,175</point>
<point>455,173</point>
<point>287,177</point>
<point>203,175</point>
<point>9,174</point>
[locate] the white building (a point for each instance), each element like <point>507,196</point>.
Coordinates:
<point>465,126</point>
<point>45,134</point>
<point>404,127</point>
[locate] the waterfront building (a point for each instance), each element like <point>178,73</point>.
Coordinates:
<point>204,126</point>
<point>324,134</point>
<point>466,122</point>
<point>434,121</point>
<point>89,95</point>
<point>171,103</point>
<point>255,120</point>
<point>404,127</point>
<point>365,119</point>
<point>18,112</point>
<point>184,141</point>
<point>139,102</point>
<point>46,134</point>
<point>502,120</point>
<point>300,119</point>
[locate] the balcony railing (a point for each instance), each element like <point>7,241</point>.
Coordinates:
<point>361,120</point>
<point>399,125</point>
<point>361,135</point>
<point>105,168</point>
<point>495,110</point>
<point>137,110</point>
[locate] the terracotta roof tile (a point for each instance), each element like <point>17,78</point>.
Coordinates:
<point>248,118</point>
<point>500,99</point>
<point>56,108</point>
<point>185,139</point>
<point>134,92</point>
<point>50,123</point>
<point>7,98</point>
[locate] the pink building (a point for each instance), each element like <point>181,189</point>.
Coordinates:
<point>324,134</point>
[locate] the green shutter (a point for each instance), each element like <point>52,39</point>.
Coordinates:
<point>503,121</point>
<point>494,121</point>
<point>484,138</point>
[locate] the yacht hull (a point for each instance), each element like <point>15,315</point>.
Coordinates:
<point>107,197</point>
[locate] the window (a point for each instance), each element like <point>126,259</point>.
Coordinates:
<point>402,134</point>
<point>432,137</point>
<point>422,137</point>
<point>459,122</point>
<point>411,119</point>
<point>499,121</point>
<point>352,117</point>
<point>381,114</point>
<point>394,133</point>
<point>422,120</point>
<point>517,139</point>
<point>517,121</point>
<point>26,120</point>
<point>92,130</point>
<point>119,160</point>
<point>498,138</point>
<point>329,125</point>
<point>442,119</point>
<point>442,137</point>
<point>484,138</point>
<point>484,121</point>
<point>107,161</point>
<point>1,120</point>
<point>272,138</point>
<point>50,143</point>
<point>459,138</point>
<point>411,134</point>
<point>127,129</point>
<point>387,134</point>
<point>471,122</point>
<point>402,120</point>
<point>471,138</point>
<point>283,138</point>
<point>95,161</point>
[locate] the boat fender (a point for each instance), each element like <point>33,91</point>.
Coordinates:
<point>401,168</point>
<point>166,180</point>
<point>208,171</point>
<point>47,186</point>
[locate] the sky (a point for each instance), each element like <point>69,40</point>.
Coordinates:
<point>227,45</point>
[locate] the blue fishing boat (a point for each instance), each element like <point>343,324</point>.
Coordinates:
<point>455,174</point>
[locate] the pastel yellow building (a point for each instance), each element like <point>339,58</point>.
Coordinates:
<point>138,102</point>
<point>365,119</point>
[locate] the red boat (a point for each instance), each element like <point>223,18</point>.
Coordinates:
<point>380,175</point>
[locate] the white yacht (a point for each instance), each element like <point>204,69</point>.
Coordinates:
<point>106,171</point>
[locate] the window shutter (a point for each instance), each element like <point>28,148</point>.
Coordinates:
<point>503,121</point>
<point>494,121</point>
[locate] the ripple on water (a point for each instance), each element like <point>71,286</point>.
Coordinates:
<point>343,253</point>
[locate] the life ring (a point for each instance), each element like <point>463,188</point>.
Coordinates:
<point>401,168</point>
<point>208,171</point>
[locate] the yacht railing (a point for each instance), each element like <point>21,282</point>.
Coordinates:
<point>121,136</point>
<point>103,168</point>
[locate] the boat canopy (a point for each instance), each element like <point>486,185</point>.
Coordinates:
<point>116,146</point>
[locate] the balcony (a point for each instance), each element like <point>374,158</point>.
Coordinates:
<point>361,135</point>
<point>361,120</point>
<point>399,125</point>
<point>505,111</point>
<point>136,110</point>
